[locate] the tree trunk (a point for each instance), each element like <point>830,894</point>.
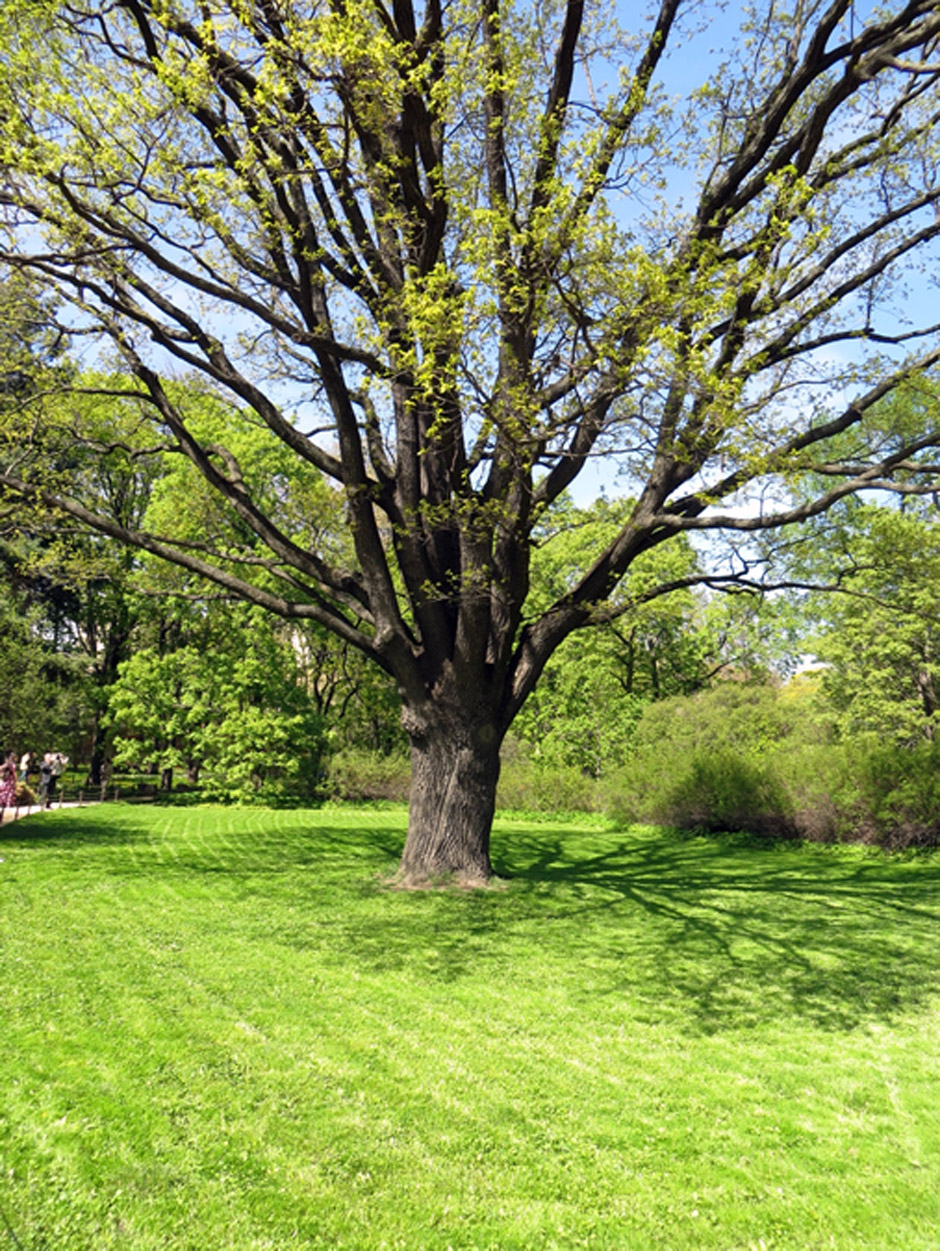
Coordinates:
<point>454,771</point>
<point>96,764</point>
<point>928,696</point>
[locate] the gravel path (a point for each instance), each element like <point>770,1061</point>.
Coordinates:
<point>17,814</point>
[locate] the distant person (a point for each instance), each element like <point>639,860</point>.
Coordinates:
<point>8,782</point>
<point>47,778</point>
<point>26,764</point>
<point>59,763</point>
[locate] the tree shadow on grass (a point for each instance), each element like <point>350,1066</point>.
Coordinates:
<point>716,932</point>
<point>76,827</point>
<point>256,840</point>
<point>730,930</point>
<point>709,934</point>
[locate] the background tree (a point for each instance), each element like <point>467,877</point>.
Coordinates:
<point>47,698</point>
<point>32,344</point>
<point>427,250</point>
<point>597,684</point>
<point>357,701</point>
<point>82,582</point>
<point>230,708</point>
<point>46,703</point>
<point>879,635</point>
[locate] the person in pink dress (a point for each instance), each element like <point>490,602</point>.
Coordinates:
<point>8,782</point>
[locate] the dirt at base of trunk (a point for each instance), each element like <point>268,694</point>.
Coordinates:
<point>444,881</point>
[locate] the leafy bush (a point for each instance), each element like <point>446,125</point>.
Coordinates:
<point>799,785</point>
<point>708,762</point>
<point>25,795</point>
<point>706,790</point>
<point>527,785</point>
<point>360,776</point>
<point>731,716</point>
<point>725,789</point>
<point>892,796</point>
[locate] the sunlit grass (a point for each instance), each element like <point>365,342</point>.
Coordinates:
<point>221,1031</point>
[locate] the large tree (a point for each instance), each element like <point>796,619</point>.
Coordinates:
<point>447,253</point>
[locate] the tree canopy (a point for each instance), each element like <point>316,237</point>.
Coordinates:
<point>445,255</point>
<point>876,636</point>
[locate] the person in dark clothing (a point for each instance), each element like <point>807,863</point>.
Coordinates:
<point>47,777</point>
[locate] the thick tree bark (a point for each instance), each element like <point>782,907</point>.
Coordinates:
<point>454,771</point>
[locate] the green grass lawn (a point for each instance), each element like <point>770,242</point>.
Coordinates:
<point>220,1031</point>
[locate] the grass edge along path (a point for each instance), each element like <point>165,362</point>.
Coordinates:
<point>220,1031</point>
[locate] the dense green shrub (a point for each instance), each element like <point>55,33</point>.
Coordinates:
<point>724,788</point>
<point>25,795</point>
<point>705,762</point>
<point>527,785</point>
<point>703,789</point>
<point>737,716</point>
<point>361,776</point>
<point>893,793</point>
<point>694,770</point>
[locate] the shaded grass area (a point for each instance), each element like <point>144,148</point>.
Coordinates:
<point>221,1031</point>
